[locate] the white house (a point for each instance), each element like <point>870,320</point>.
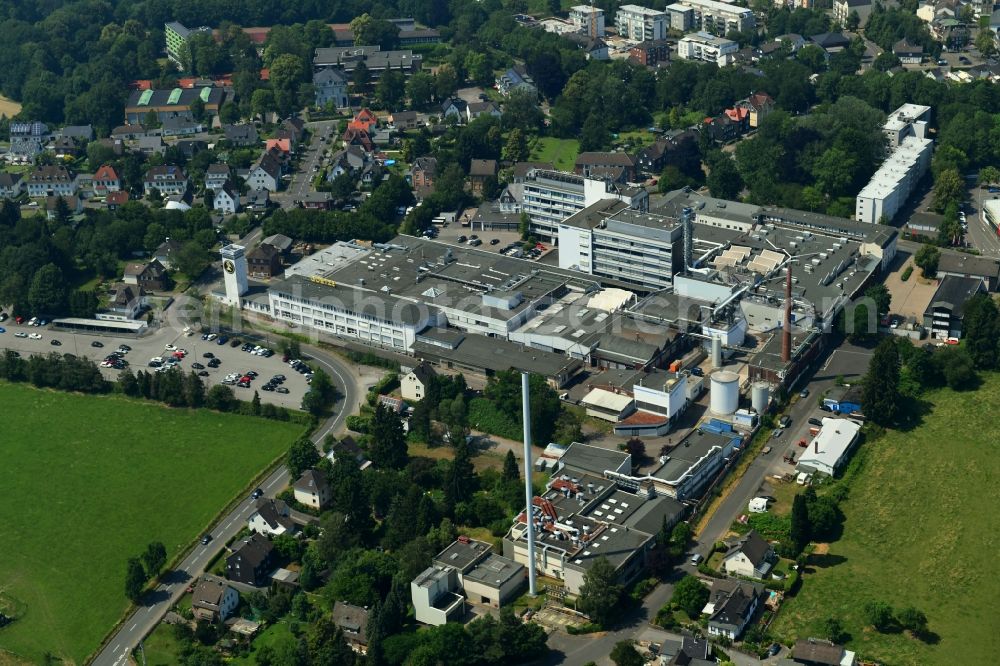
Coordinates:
<point>213,599</point>
<point>125,302</point>
<point>227,200</point>
<point>414,384</point>
<point>312,489</point>
<point>330,85</point>
<point>751,556</point>
<point>11,185</point>
<point>265,174</point>
<point>731,606</point>
<point>608,405</point>
<point>271,517</point>
<point>217,175</point>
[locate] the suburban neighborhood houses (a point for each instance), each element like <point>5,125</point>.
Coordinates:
<point>492,332</point>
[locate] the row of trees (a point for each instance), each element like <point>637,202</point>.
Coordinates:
<point>141,569</point>
<point>372,221</point>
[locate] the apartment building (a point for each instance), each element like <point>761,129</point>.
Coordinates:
<point>588,20</point>
<point>641,24</point>
<point>707,48</point>
<point>177,36</point>
<point>719,18</point>
<point>908,161</point>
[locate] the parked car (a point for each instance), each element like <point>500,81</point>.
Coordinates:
<point>54,343</point>
<point>280,389</point>
<point>804,393</point>
<point>785,421</point>
<point>197,366</point>
<point>20,334</point>
<point>34,336</point>
<point>96,343</point>
<point>815,422</point>
<point>208,355</point>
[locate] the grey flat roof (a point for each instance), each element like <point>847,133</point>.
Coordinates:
<point>436,273</point>
<point>494,571</point>
<point>593,459</point>
<point>689,452</point>
<point>351,299</point>
<point>460,555</point>
<point>967,264</point>
<point>495,355</point>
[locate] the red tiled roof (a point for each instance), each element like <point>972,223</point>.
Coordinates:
<point>257,35</point>
<point>284,145</point>
<point>106,172</point>
<point>265,74</point>
<point>644,418</point>
<point>737,114</point>
<point>141,84</point>
<point>117,198</point>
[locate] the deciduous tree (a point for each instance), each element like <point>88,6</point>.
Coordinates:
<point>600,593</point>
<point>690,595</point>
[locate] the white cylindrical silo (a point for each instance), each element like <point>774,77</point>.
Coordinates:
<point>759,396</point>
<point>725,396</point>
<point>716,352</point>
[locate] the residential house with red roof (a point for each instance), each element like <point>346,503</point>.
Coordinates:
<point>106,180</point>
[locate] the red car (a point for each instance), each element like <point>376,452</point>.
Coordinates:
<point>19,319</point>
<point>246,378</point>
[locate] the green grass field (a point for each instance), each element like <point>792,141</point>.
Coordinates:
<point>560,152</point>
<point>86,482</point>
<point>921,531</point>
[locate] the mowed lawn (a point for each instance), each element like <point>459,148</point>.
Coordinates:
<point>86,482</point>
<point>921,530</point>
<point>560,152</point>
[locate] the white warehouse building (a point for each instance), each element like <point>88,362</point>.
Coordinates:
<point>892,184</point>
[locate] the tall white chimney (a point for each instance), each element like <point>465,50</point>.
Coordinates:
<point>529,493</point>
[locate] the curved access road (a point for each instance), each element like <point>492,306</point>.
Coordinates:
<point>156,603</point>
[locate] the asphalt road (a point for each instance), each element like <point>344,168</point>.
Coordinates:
<point>981,234</point>
<point>301,183</point>
<point>846,361</point>
<point>156,604</point>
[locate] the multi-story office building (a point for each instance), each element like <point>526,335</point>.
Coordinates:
<point>707,48</point>
<point>611,240</point>
<point>548,197</point>
<point>640,24</point>
<point>892,184</point>
<point>719,18</point>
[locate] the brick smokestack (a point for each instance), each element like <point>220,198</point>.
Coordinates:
<point>786,324</point>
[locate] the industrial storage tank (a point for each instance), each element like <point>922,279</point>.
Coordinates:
<point>760,395</point>
<point>725,392</point>
<point>716,352</point>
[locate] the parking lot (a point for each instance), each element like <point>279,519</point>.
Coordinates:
<point>153,345</point>
<point>454,233</point>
